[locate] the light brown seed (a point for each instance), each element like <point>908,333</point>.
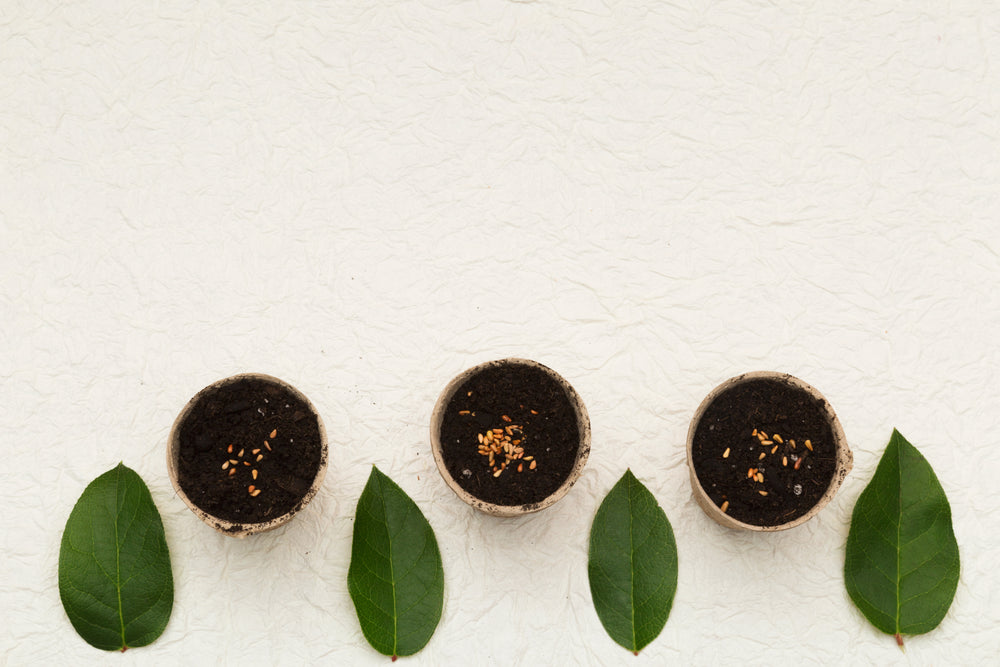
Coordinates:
<point>254,473</point>
<point>762,455</point>
<point>528,458</point>
<point>240,455</point>
<point>225,465</point>
<point>774,449</point>
<point>505,418</point>
<point>809,445</point>
<point>232,471</point>
<point>268,445</point>
<point>754,432</point>
<point>725,506</point>
<point>798,463</point>
<point>274,434</point>
<point>479,436</point>
<point>763,493</point>
<point>463,412</point>
<point>497,473</point>
<point>777,438</point>
<point>534,412</point>
<point>520,467</point>
<point>255,493</point>
<point>234,461</point>
<point>491,458</point>
<point>751,472</point>
<point>784,460</point>
<point>792,443</point>
<point>762,435</point>
<point>725,454</point>
<point>229,449</point>
<point>767,442</point>
<point>260,456</point>
<point>517,442</point>
<point>760,478</point>
<point>533,464</point>
<point>246,463</point>
<point>252,487</point>
<point>256,451</point>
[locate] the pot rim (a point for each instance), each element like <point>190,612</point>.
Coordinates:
<point>582,453</point>
<point>844,457</point>
<point>241,529</point>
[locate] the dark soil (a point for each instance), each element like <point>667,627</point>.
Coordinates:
<point>547,432</point>
<point>244,413</point>
<point>774,407</point>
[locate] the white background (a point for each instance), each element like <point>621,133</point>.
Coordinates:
<point>364,199</point>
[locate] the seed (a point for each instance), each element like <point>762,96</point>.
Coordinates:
<point>809,445</point>
<point>254,473</point>
<point>517,442</point>
<point>251,488</point>
<point>225,465</point>
<point>774,449</point>
<point>498,431</point>
<point>246,463</point>
<point>229,449</point>
<point>725,454</point>
<point>751,472</point>
<point>777,438</point>
<point>232,471</point>
<point>534,412</point>
<point>497,473</point>
<point>754,432</point>
<point>479,436</point>
<point>491,458</point>
<point>762,435</point>
<point>274,434</point>
<point>505,418</point>
<point>255,493</point>
<point>463,412</point>
<point>268,445</point>
<point>762,455</point>
<point>256,451</point>
<point>784,460</point>
<point>760,478</point>
<point>259,457</point>
<point>520,467</point>
<point>763,493</point>
<point>489,436</point>
<point>234,461</point>
<point>528,458</point>
<point>533,464</point>
<point>798,463</point>
<point>792,443</point>
<point>725,506</point>
<point>767,442</point>
<point>240,455</point>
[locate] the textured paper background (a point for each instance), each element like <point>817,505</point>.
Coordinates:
<point>366,198</point>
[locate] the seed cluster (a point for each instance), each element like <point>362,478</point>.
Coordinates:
<point>256,454</point>
<point>503,447</point>
<point>773,445</point>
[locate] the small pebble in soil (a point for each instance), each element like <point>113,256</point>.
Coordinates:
<point>797,489</point>
<point>466,473</point>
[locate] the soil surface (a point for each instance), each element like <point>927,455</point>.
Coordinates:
<point>262,427</point>
<point>775,409</point>
<point>541,420</point>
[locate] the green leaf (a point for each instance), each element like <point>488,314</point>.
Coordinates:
<point>114,568</point>
<point>901,567</point>
<point>633,564</point>
<point>395,579</point>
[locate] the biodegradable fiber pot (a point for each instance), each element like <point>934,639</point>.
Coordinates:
<point>766,452</point>
<point>510,436</point>
<point>247,453</point>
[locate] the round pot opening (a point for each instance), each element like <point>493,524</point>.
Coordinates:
<point>766,452</point>
<point>510,436</point>
<point>247,453</point>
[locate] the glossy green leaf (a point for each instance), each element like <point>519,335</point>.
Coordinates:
<point>395,579</point>
<point>901,567</point>
<point>114,568</point>
<point>633,564</point>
